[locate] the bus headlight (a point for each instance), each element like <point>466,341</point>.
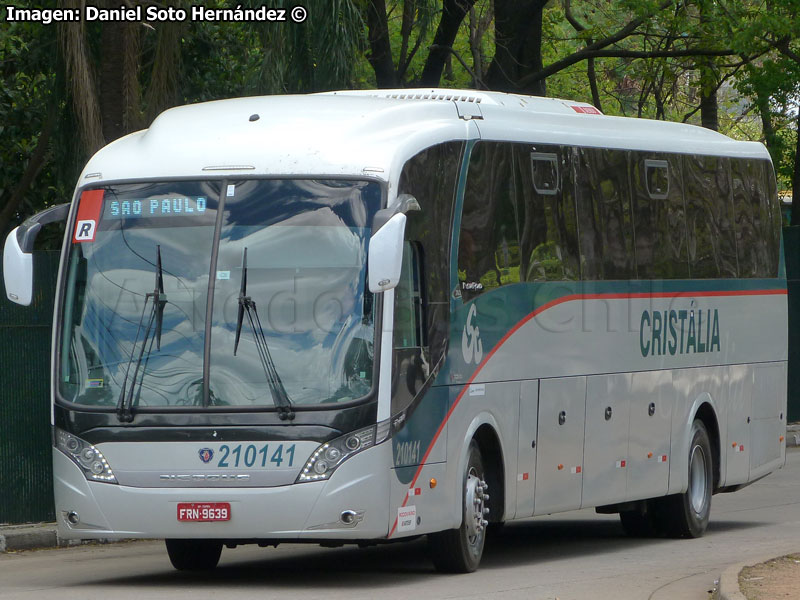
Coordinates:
<point>325,459</point>
<point>90,460</point>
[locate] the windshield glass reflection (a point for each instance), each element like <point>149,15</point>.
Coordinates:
<point>306,244</point>
<point>306,247</point>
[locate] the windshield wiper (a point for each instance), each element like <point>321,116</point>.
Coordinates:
<point>159,300</point>
<point>246,305</point>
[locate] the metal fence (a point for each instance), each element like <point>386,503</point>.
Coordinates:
<point>791,251</point>
<point>26,473</point>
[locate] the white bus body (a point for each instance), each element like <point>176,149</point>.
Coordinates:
<point>591,312</point>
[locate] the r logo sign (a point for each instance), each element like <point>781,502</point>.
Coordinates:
<point>471,346</point>
<point>84,231</point>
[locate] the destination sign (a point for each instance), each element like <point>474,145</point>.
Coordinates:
<point>154,207</point>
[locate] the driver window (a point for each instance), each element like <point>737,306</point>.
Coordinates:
<point>408,319</point>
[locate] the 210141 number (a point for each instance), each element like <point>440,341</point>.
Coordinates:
<point>254,456</point>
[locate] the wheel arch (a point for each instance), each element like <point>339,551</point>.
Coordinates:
<point>705,409</point>
<point>484,430</point>
<point>494,466</point>
<point>708,416</point>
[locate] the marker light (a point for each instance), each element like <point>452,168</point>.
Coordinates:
<point>90,460</point>
<point>325,459</point>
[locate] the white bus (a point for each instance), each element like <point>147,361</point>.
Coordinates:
<point>361,317</point>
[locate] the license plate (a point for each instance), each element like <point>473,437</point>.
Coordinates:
<point>200,512</point>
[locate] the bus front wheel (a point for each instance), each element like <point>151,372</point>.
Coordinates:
<point>686,515</point>
<point>460,550</point>
<point>194,555</point>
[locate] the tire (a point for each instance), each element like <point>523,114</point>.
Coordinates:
<point>194,555</point>
<point>460,550</point>
<point>686,515</point>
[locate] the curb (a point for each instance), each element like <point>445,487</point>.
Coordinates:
<point>728,586</point>
<point>29,537</point>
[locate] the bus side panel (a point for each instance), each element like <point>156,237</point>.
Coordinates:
<point>768,424</point>
<point>559,457</point>
<point>526,449</point>
<point>652,399</point>
<point>608,401</point>
<point>426,509</point>
<point>737,448</point>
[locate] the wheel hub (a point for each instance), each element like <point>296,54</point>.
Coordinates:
<point>697,479</point>
<point>476,509</point>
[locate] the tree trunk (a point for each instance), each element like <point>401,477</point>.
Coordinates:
<point>709,115</point>
<point>590,70</point>
<point>380,56</point>
<point>32,169</point>
<point>132,119</point>
<point>518,46</point>
<point>453,13</point>
<point>111,91</point>
<point>163,90</point>
<point>80,78</point>
<point>709,81</point>
<point>407,26</point>
<point>590,73</point>
<point>771,139</point>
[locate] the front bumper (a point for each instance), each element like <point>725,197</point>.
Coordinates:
<point>305,511</point>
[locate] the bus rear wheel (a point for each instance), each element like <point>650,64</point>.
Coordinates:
<point>686,515</point>
<point>194,555</point>
<point>460,550</point>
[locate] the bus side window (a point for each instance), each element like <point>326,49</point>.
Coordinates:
<point>772,224</point>
<point>604,214</point>
<point>488,250</point>
<point>709,216</point>
<point>747,185</point>
<point>422,307</point>
<point>409,330</point>
<point>548,231</point>
<point>659,216</point>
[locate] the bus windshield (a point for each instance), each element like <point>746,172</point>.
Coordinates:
<point>160,308</point>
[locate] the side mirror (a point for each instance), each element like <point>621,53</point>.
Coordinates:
<point>386,254</point>
<point>18,257</point>
<point>17,271</point>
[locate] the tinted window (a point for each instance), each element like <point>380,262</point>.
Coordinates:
<point>488,251</point>
<point>408,306</point>
<point>422,307</point>
<point>709,216</point>
<point>772,227</point>
<point>604,219</point>
<point>431,177</point>
<point>659,217</point>
<point>752,217</point>
<point>546,204</point>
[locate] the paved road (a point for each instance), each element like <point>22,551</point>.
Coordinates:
<point>575,556</point>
